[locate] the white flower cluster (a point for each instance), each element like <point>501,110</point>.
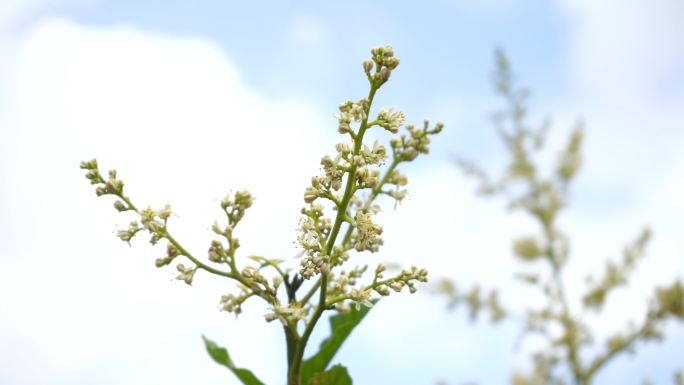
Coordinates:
<point>336,222</point>
<point>233,304</point>
<point>390,120</point>
<point>351,181</point>
<point>408,148</point>
<point>351,112</point>
<point>340,284</point>
<point>343,287</point>
<point>288,315</point>
<point>385,62</point>
<point>406,278</point>
<point>367,236</point>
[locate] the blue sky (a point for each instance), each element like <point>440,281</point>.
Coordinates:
<point>192,99</point>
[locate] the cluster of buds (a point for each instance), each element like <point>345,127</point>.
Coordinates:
<point>217,253</point>
<point>385,62</point>
<point>315,263</point>
<point>333,173</point>
<point>367,178</point>
<point>314,228</point>
<point>111,186</point>
<point>233,304</point>
<point>253,282</point>
<point>343,287</point>
<point>253,278</point>
<point>398,180</point>
<point>351,112</point>
<point>406,278</point>
<point>367,235</point>
<point>370,156</point>
<point>128,234</point>
<point>236,204</point>
<point>339,255</point>
<point>155,221</point>
<point>408,148</point>
<point>288,315</point>
<point>390,120</point>
<point>171,253</point>
<point>341,283</point>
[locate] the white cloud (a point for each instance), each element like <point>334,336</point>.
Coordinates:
<point>626,62</point>
<point>629,46</point>
<point>12,12</point>
<point>15,12</point>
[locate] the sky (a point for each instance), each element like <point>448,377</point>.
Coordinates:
<point>190,100</point>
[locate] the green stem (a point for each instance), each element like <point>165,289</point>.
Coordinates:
<point>311,292</point>
<point>291,338</point>
<point>197,262</point>
<point>178,246</point>
<point>295,368</point>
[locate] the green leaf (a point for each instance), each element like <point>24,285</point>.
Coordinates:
<point>341,325</point>
<point>337,375</point>
<point>220,355</point>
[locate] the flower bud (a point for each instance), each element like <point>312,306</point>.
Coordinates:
<point>89,165</point>
<point>384,75</point>
<point>165,213</point>
<point>160,262</point>
<point>277,281</point>
<point>342,148</point>
<point>367,66</point>
<point>326,161</point>
<point>120,206</point>
<point>310,194</point>
<point>225,202</point>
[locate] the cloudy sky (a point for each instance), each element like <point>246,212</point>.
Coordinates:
<point>191,100</point>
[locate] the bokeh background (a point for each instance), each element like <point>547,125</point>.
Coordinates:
<point>189,100</point>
